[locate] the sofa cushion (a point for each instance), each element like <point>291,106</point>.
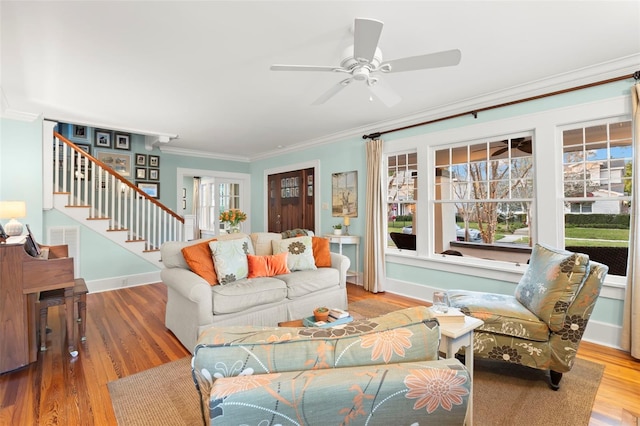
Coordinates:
<point>244,294</point>
<point>230,259</point>
<point>501,313</point>
<point>200,261</point>
<point>267,266</point>
<point>300,252</point>
<point>551,282</point>
<point>321,252</point>
<point>262,242</point>
<point>301,283</point>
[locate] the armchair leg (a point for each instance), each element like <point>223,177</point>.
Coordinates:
<point>555,380</point>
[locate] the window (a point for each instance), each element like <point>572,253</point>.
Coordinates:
<point>483,192</point>
<point>402,189</point>
<point>598,172</point>
<point>216,196</point>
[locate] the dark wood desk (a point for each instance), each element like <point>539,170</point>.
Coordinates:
<point>22,277</point>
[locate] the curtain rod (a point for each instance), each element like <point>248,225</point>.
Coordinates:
<point>635,75</point>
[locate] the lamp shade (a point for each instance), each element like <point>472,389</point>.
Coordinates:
<point>12,210</point>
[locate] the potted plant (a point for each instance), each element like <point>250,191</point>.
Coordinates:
<point>321,313</point>
<point>337,229</point>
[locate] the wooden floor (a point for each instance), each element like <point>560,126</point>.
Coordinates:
<point>126,334</point>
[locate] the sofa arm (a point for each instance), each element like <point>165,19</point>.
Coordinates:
<point>193,288</point>
<point>341,263</point>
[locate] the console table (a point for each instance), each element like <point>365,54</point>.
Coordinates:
<point>341,240</point>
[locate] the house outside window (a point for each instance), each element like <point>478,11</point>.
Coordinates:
<point>484,192</point>
<point>597,177</point>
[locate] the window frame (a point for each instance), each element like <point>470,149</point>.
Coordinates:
<point>546,127</point>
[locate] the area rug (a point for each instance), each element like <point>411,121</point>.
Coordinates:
<point>503,395</point>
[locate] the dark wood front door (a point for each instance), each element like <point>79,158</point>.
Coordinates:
<point>291,200</point>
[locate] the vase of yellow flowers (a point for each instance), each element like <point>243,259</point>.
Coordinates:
<point>233,218</point>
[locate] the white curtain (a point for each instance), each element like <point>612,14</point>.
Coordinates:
<point>196,205</point>
<point>375,238</point>
<point>631,314</point>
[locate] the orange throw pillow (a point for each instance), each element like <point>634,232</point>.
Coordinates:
<point>267,266</point>
<point>200,261</point>
<point>321,252</point>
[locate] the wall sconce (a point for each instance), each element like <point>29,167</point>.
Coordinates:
<point>13,210</point>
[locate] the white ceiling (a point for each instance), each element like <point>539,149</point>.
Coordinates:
<point>200,69</point>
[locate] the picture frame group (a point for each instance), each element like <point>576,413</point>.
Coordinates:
<point>152,189</point>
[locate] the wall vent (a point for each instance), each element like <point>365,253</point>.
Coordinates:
<point>69,235</point>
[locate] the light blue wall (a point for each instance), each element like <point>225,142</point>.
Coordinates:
<point>349,154</point>
<point>21,168</point>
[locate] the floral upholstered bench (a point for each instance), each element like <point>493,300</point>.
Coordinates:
<point>383,370</point>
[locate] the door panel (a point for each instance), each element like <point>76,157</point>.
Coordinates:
<point>291,200</point>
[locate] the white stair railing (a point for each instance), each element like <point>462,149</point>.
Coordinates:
<point>91,183</point>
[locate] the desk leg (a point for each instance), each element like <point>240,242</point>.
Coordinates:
<point>71,336</point>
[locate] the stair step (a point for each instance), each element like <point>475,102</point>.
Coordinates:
<point>150,250</point>
<point>98,218</point>
<point>73,207</point>
<point>117,229</point>
<point>135,241</point>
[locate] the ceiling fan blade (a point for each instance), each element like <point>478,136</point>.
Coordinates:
<point>303,68</point>
<point>332,91</point>
<point>386,94</point>
<point>365,39</point>
<point>445,58</point>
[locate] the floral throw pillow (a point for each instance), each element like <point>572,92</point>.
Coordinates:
<point>230,259</point>
<point>551,282</point>
<point>300,251</point>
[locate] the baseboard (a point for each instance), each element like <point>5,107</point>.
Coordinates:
<point>114,283</point>
<point>598,332</point>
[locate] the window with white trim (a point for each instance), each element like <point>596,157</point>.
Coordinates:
<point>484,191</point>
<point>402,190</point>
<point>597,178</point>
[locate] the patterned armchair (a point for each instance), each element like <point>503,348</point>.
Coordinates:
<point>378,371</point>
<point>542,325</point>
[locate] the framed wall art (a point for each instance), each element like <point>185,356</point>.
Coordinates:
<point>152,189</point>
<point>141,159</point>
<point>79,132</point>
<point>119,162</point>
<point>103,139</point>
<point>123,141</point>
<point>141,173</point>
<point>344,194</point>
<point>154,161</point>
<point>154,174</point>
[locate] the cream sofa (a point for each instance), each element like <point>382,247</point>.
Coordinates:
<point>193,305</point>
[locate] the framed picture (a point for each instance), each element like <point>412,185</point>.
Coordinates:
<point>344,194</point>
<point>184,192</point>
<point>141,173</point>
<point>154,174</point>
<point>85,148</point>
<point>79,132</point>
<point>123,141</point>
<point>141,159</point>
<point>120,163</point>
<point>184,204</point>
<point>152,189</point>
<point>154,161</point>
<point>103,139</point>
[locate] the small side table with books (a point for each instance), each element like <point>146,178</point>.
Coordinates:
<point>457,332</point>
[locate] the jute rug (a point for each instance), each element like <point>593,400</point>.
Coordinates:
<point>503,395</point>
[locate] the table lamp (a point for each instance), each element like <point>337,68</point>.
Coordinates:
<point>13,210</point>
<point>346,225</point>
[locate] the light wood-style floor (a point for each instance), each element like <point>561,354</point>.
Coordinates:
<point>126,335</point>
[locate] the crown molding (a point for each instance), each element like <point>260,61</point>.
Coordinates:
<point>580,77</point>
<point>13,114</point>
<point>203,154</point>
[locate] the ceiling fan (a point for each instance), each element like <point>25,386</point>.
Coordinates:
<point>363,62</point>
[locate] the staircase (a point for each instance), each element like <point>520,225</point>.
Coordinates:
<point>92,193</point>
